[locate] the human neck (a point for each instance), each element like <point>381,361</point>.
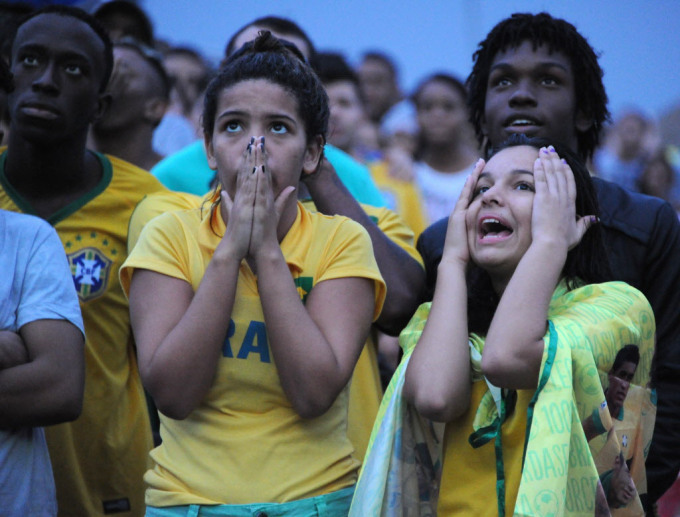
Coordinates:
<point>50,177</point>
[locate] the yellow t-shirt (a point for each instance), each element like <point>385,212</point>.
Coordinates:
<point>245,443</point>
<point>366,390</point>
<point>465,494</point>
<point>401,196</point>
<point>99,459</point>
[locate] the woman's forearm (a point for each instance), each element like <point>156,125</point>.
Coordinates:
<point>180,334</point>
<point>438,375</point>
<point>316,345</point>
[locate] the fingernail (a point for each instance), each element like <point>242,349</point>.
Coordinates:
<point>250,148</point>
<point>551,148</point>
<point>544,150</point>
<point>564,161</point>
<point>594,219</point>
<point>254,169</point>
<point>263,169</point>
<point>252,140</point>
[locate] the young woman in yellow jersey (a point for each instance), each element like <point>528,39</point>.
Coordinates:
<point>250,315</point>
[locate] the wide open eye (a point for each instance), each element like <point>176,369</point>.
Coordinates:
<point>73,69</point>
<point>232,126</point>
<point>279,128</point>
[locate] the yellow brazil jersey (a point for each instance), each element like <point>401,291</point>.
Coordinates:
<point>244,443</point>
<point>366,391</point>
<point>99,459</point>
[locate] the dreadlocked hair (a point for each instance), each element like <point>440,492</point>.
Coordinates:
<point>558,36</point>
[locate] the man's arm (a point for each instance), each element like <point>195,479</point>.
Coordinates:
<point>403,275</point>
<point>431,247</point>
<point>48,388</point>
<point>662,288</point>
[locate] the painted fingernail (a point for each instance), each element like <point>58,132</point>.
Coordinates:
<point>564,161</point>
<point>254,169</point>
<point>551,148</point>
<point>263,169</point>
<point>252,140</point>
<point>594,219</point>
<point>544,150</point>
<point>250,148</point>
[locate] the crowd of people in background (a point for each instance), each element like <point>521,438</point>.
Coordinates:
<point>292,299</point>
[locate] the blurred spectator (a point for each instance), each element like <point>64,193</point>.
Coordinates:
<point>658,179</point>
<point>121,18</point>
<point>446,151</point>
<point>628,143</point>
<point>393,115</point>
<point>189,74</point>
<point>140,92</point>
<point>347,125</point>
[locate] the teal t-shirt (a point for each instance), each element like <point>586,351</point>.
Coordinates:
<point>188,171</point>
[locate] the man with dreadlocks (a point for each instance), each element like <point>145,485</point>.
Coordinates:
<point>537,75</point>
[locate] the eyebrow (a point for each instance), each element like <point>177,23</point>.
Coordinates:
<point>240,113</point>
<point>514,172</point>
<point>545,65</point>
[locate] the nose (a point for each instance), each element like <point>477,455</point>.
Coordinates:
<point>523,94</point>
<point>47,79</point>
<point>491,196</point>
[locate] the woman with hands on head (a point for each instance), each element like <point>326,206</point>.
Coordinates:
<point>249,317</point>
<point>508,352</point>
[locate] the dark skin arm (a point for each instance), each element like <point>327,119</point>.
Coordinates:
<point>404,277</point>
<point>46,388</point>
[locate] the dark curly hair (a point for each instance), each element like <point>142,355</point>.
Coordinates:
<point>586,263</point>
<point>559,36</point>
<point>279,62</point>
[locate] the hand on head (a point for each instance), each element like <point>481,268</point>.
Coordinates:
<point>554,217</point>
<point>456,244</point>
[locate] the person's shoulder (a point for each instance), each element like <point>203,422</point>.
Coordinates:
<point>634,214</point>
<point>435,234</point>
<point>19,222</point>
<point>124,169</point>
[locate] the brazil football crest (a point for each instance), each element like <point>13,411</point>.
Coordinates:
<point>90,269</point>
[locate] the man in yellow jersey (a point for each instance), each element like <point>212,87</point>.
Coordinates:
<point>61,61</point>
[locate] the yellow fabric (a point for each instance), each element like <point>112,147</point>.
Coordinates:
<point>468,485</point>
<point>587,328</point>
<point>159,203</point>
<point>402,196</point>
<point>103,455</point>
<point>366,390</point>
<point>245,443</point>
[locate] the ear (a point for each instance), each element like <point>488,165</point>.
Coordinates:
<point>209,151</point>
<point>582,122</point>
<point>103,104</point>
<point>154,109</point>
<point>313,154</point>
